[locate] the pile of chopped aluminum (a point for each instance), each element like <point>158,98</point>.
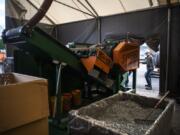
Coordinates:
<point>120,116</point>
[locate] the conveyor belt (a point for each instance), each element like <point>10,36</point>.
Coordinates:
<point>39,40</point>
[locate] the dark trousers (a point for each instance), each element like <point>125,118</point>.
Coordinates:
<point>148,77</point>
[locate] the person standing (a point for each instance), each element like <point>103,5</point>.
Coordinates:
<point>150,68</point>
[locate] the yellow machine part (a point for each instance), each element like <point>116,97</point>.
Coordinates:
<point>126,55</point>
<point>101,60</point>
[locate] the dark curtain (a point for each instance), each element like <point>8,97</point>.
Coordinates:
<point>82,32</point>
<point>174,65</point>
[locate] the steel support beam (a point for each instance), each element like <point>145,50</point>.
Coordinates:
<point>168,48</point>
<point>98,21</point>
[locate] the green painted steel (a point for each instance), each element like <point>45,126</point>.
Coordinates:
<point>1,44</point>
<point>53,48</point>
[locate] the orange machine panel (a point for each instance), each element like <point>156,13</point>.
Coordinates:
<point>89,62</point>
<point>126,55</point>
<point>101,60</point>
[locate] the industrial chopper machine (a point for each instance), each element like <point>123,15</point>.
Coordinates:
<point>98,66</point>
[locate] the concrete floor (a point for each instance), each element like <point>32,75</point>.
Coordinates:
<point>155,93</point>
<point>141,83</point>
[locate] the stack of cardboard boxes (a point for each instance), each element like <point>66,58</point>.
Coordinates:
<point>24,105</point>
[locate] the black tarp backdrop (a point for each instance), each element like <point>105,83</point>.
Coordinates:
<point>174,70</point>
<point>143,23</point>
<point>82,32</point>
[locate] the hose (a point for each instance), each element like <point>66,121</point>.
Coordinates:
<point>39,15</point>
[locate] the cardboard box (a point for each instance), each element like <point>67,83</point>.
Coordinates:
<point>39,127</point>
<point>24,99</point>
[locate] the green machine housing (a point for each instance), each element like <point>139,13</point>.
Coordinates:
<point>39,54</point>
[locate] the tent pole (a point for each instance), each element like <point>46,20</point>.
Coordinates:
<point>72,7</point>
<point>46,16</point>
<point>86,8</point>
<point>39,15</point>
<point>98,19</point>
<point>99,29</point>
<point>150,3</point>
<point>122,5</point>
<point>92,8</point>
